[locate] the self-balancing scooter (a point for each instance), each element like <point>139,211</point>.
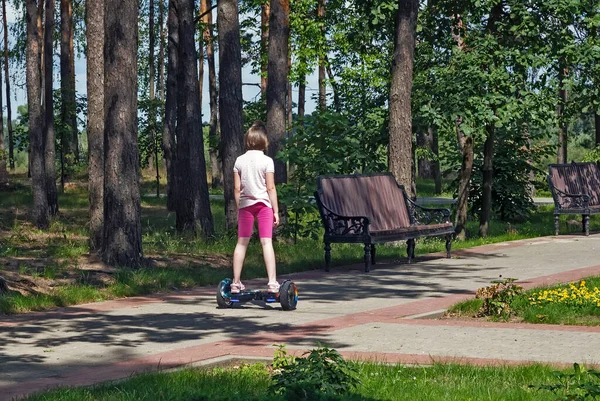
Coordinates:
<point>287,295</point>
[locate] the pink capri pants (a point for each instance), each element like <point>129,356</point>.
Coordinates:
<point>264,215</point>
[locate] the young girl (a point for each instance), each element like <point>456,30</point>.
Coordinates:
<point>255,197</point>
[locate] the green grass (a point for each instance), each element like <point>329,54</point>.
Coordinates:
<point>182,260</point>
<point>379,382</point>
<point>549,313</point>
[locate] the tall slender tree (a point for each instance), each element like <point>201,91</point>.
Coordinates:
<point>122,242</point>
<point>277,87</point>
<point>160,88</point>
<point>230,99</point>
<point>70,140</point>
<point>94,11</point>
<point>321,68</point>
<point>400,126</point>
<point>213,122</point>
<point>3,169</point>
<point>193,205</point>
<point>170,124</point>
<point>39,210</point>
<point>265,16</point>
<point>11,141</point>
<point>48,125</point>
<point>151,96</point>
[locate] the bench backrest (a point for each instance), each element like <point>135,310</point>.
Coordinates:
<point>577,178</point>
<point>376,196</point>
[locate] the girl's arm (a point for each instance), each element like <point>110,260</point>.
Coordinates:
<point>237,184</point>
<point>272,191</point>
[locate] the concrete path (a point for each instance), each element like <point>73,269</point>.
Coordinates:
<point>386,315</point>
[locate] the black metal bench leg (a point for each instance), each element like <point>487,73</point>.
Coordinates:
<point>367,257</point>
<point>327,256</point>
<point>556,224</point>
<point>586,224</point>
<point>410,249</point>
<point>372,254</point>
<point>448,245</point>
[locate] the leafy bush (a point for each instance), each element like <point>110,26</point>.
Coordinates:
<point>498,297</point>
<point>581,385</point>
<point>318,375</point>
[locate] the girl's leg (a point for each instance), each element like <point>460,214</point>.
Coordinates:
<point>265,230</point>
<point>238,258</point>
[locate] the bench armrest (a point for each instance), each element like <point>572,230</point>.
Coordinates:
<point>427,215</point>
<point>569,201</point>
<point>336,224</point>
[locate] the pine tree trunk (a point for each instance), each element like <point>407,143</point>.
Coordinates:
<point>70,142</point>
<point>39,210</point>
<point>302,99</point>
<point>230,99</point>
<point>169,128</point>
<point>265,16</point>
<point>464,184</point>
<point>193,206</point>
<point>161,51</point>
<point>3,158</point>
<point>400,128</point>
<point>560,111</point>
<point>11,142</point>
<point>151,96</point>
<point>49,135</point>
<point>279,31</point>
<point>289,120</point>
<point>95,123</point>
<point>122,242</point>
<point>321,68</point>
<point>217,175</point>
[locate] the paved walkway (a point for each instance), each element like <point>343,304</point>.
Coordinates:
<point>385,315</point>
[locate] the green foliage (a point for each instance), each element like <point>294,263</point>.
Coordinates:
<point>580,385</point>
<point>593,155</point>
<point>150,129</point>
<point>320,371</point>
<point>498,297</point>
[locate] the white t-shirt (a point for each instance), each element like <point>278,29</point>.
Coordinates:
<point>253,167</point>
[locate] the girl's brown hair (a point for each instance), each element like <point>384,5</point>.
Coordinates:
<point>256,136</point>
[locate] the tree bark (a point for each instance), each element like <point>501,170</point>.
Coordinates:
<point>400,129</point>
<point>464,184</point>
<point>265,16</point>
<point>95,119</point>
<point>230,99</point>
<point>169,130</point>
<point>151,96</point>
<point>437,174</point>
<point>39,211</point>
<point>11,143</point>
<point>70,142</point>
<point>217,175</point>
<point>597,128</point>
<point>289,102</point>
<point>321,61</point>
<point>48,126</point>
<point>337,104</point>
<point>122,242</point>
<point>563,73</point>
<point>302,99</point>
<point>193,210</point>
<point>488,177</point>
<point>3,158</point>
<point>161,51</point>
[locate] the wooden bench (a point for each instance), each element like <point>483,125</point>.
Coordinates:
<point>373,208</point>
<point>575,189</point>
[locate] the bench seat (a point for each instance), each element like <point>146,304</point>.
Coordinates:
<point>373,209</point>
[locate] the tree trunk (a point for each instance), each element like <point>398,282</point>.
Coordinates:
<point>39,210</point>
<point>95,119</point>
<point>289,120</point>
<point>193,210</point>
<point>400,134</point>
<point>464,184</point>
<point>425,164</point>
<point>337,104</point>
<point>488,177</point>
<point>122,242</point>
<point>437,174</point>
<point>265,16</point>
<point>213,139</point>
<point>230,99</point>
<point>161,51</point>
<point>49,135</point>
<point>169,128</point>
<point>560,111</point>
<point>11,143</point>
<point>3,158</point>
<point>279,32</point>
<point>70,142</point>
<point>151,96</point>
<point>597,127</point>
<point>321,61</point>
<point>302,99</point>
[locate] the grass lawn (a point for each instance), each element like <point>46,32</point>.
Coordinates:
<point>378,382</point>
<point>575,303</point>
<point>54,268</point>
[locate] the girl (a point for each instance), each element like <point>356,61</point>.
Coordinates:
<point>255,197</point>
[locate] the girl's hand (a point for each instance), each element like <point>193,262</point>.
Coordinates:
<point>276,220</point>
